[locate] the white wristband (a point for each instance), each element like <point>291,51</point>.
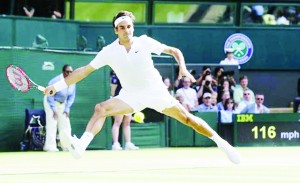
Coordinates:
<point>60,85</point>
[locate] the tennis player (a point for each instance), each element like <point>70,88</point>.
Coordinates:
<point>130,58</point>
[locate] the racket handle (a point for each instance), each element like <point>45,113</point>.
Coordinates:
<point>42,89</point>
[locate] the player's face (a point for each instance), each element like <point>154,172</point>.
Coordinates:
<point>125,30</point>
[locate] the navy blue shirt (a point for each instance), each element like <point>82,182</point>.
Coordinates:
<point>115,80</point>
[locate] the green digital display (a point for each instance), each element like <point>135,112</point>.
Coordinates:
<point>267,129</point>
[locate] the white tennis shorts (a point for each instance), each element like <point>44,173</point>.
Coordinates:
<point>157,99</point>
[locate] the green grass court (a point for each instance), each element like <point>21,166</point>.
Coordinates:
<point>160,165</point>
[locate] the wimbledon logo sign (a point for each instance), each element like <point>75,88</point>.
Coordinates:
<point>242,46</point>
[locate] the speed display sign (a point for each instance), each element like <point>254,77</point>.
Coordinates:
<point>267,129</point>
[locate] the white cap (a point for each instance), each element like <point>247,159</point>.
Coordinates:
<point>229,50</point>
<point>259,9</point>
<point>206,95</point>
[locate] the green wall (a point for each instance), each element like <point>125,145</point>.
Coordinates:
<point>6,29</point>
<point>90,91</point>
<point>182,135</point>
<point>21,31</point>
<point>275,48</point>
<point>58,34</point>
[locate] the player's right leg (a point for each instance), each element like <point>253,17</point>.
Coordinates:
<point>110,107</point>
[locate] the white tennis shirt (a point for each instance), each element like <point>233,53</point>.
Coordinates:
<point>135,68</point>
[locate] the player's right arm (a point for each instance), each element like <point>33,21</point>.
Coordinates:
<point>76,76</point>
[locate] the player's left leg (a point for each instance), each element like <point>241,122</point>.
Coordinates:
<point>199,125</point>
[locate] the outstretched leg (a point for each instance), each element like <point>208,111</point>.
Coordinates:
<point>111,107</point>
<point>182,115</point>
<point>199,125</point>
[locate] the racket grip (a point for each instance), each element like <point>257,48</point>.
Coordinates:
<point>42,89</point>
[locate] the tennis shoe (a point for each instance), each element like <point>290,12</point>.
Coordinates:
<point>116,147</point>
<point>72,144</point>
<point>232,153</point>
<point>130,146</point>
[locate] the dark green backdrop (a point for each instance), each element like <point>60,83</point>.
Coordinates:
<point>13,103</point>
<point>275,48</point>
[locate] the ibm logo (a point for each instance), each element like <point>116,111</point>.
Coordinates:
<point>243,118</point>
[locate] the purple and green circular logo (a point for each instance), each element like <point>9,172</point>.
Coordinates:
<point>242,46</point>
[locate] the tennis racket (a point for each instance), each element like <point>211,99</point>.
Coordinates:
<point>19,80</point>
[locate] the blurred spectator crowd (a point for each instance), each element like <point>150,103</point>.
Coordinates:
<point>271,14</point>
<point>33,8</point>
<point>217,90</point>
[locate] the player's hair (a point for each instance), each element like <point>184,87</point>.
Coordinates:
<point>123,13</point>
<point>65,67</point>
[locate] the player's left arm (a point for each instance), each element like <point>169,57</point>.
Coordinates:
<point>177,54</point>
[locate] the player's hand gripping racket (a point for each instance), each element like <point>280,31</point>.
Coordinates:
<point>19,80</point>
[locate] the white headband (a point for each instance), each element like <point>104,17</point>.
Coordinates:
<point>121,19</point>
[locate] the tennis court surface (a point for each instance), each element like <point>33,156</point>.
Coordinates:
<point>159,165</point>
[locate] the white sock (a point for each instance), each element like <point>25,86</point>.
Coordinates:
<point>86,139</point>
<point>216,138</point>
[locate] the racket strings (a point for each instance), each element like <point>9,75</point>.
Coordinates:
<point>17,79</point>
